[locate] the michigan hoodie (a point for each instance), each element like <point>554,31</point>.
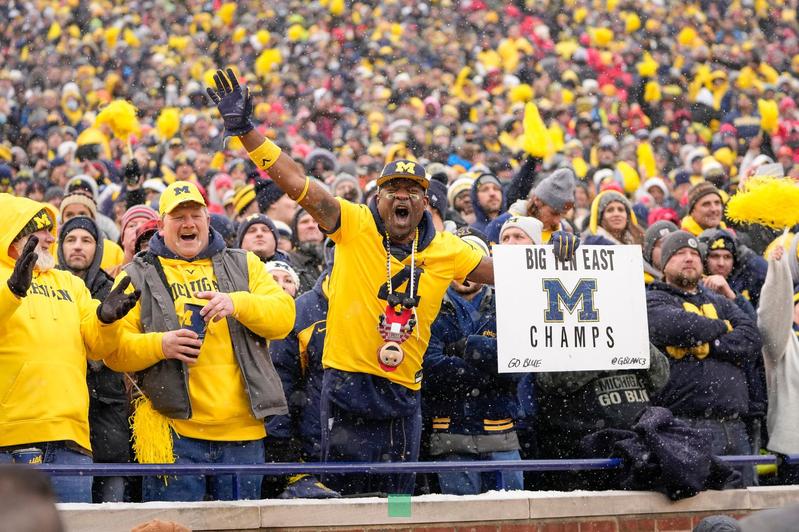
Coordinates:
<point>45,339</point>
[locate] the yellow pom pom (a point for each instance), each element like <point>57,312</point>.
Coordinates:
<point>336,7</point>
<point>267,61</point>
<point>630,178</point>
<point>521,93</point>
<point>54,32</point>
<point>131,39</point>
<point>120,116</point>
<point>769,201</point>
<point>168,122</point>
<point>227,12</point>
<point>239,34</point>
<point>536,138</point>
<point>648,67</point>
<point>646,159</point>
<point>687,36</point>
<point>652,91</point>
<point>565,49</point>
<point>396,29</point>
<point>769,115</point>
<point>580,167</point>
<point>296,33</point>
<point>111,36</point>
<point>263,36</point>
<point>632,23</point>
<point>579,15</point>
<point>725,156</point>
<point>152,436</point>
<point>74,31</point>
<point>601,36</point>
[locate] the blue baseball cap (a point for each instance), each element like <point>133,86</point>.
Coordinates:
<point>404,169</point>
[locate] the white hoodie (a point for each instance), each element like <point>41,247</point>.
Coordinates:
<point>781,356</point>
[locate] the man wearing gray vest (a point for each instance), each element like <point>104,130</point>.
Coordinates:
<point>197,340</point>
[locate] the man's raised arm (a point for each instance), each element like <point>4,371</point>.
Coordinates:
<point>235,106</point>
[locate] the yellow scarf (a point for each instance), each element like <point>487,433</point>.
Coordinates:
<point>691,225</point>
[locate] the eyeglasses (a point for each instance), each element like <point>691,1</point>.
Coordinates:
<point>413,196</point>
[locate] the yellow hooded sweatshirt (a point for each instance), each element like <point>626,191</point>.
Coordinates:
<point>45,338</point>
<point>219,402</point>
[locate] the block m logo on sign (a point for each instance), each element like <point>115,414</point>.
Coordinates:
<point>581,297</point>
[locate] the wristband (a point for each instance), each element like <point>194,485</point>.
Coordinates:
<point>304,190</point>
<point>265,155</point>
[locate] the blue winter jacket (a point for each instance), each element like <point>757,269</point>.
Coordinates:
<point>481,219</point>
<point>710,343</point>
<point>462,390</point>
<point>298,361</point>
<point>748,276</point>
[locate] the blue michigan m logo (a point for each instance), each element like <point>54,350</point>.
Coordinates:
<point>558,297</point>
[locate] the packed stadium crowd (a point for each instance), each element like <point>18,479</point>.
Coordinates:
<point>252,232</point>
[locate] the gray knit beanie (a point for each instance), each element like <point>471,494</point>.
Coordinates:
<point>674,242</point>
<point>717,523</point>
<point>655,232</point>
<point>557,189</point>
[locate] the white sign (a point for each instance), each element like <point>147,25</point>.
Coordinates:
<point>585,314</point>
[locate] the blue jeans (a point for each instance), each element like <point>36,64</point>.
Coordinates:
<point>217,487</point>
<point>67,489</point>
<point>729,437</point>
<point>472,483</point>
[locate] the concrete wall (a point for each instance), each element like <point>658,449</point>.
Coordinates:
<point>608,511</point>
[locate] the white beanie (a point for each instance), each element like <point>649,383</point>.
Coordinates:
<point>655,182</point>
<point>711,166</point>
<point>458,186</point>
<point>532,227</point>
<point>273,265</point>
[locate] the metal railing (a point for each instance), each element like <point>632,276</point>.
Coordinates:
<point>334,468</point>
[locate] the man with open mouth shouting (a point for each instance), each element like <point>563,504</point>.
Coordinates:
<point>389,277</point>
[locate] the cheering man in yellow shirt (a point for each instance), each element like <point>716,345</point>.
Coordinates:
<point>390,275</point>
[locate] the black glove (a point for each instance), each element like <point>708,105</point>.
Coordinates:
<point>233,102</point>
<point>564,244</point>
<point>21,277</point>
<point>118,303</point>
<point>132,173</point>
<point>455,349</point>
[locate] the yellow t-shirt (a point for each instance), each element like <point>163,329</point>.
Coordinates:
<point>353,341</point>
